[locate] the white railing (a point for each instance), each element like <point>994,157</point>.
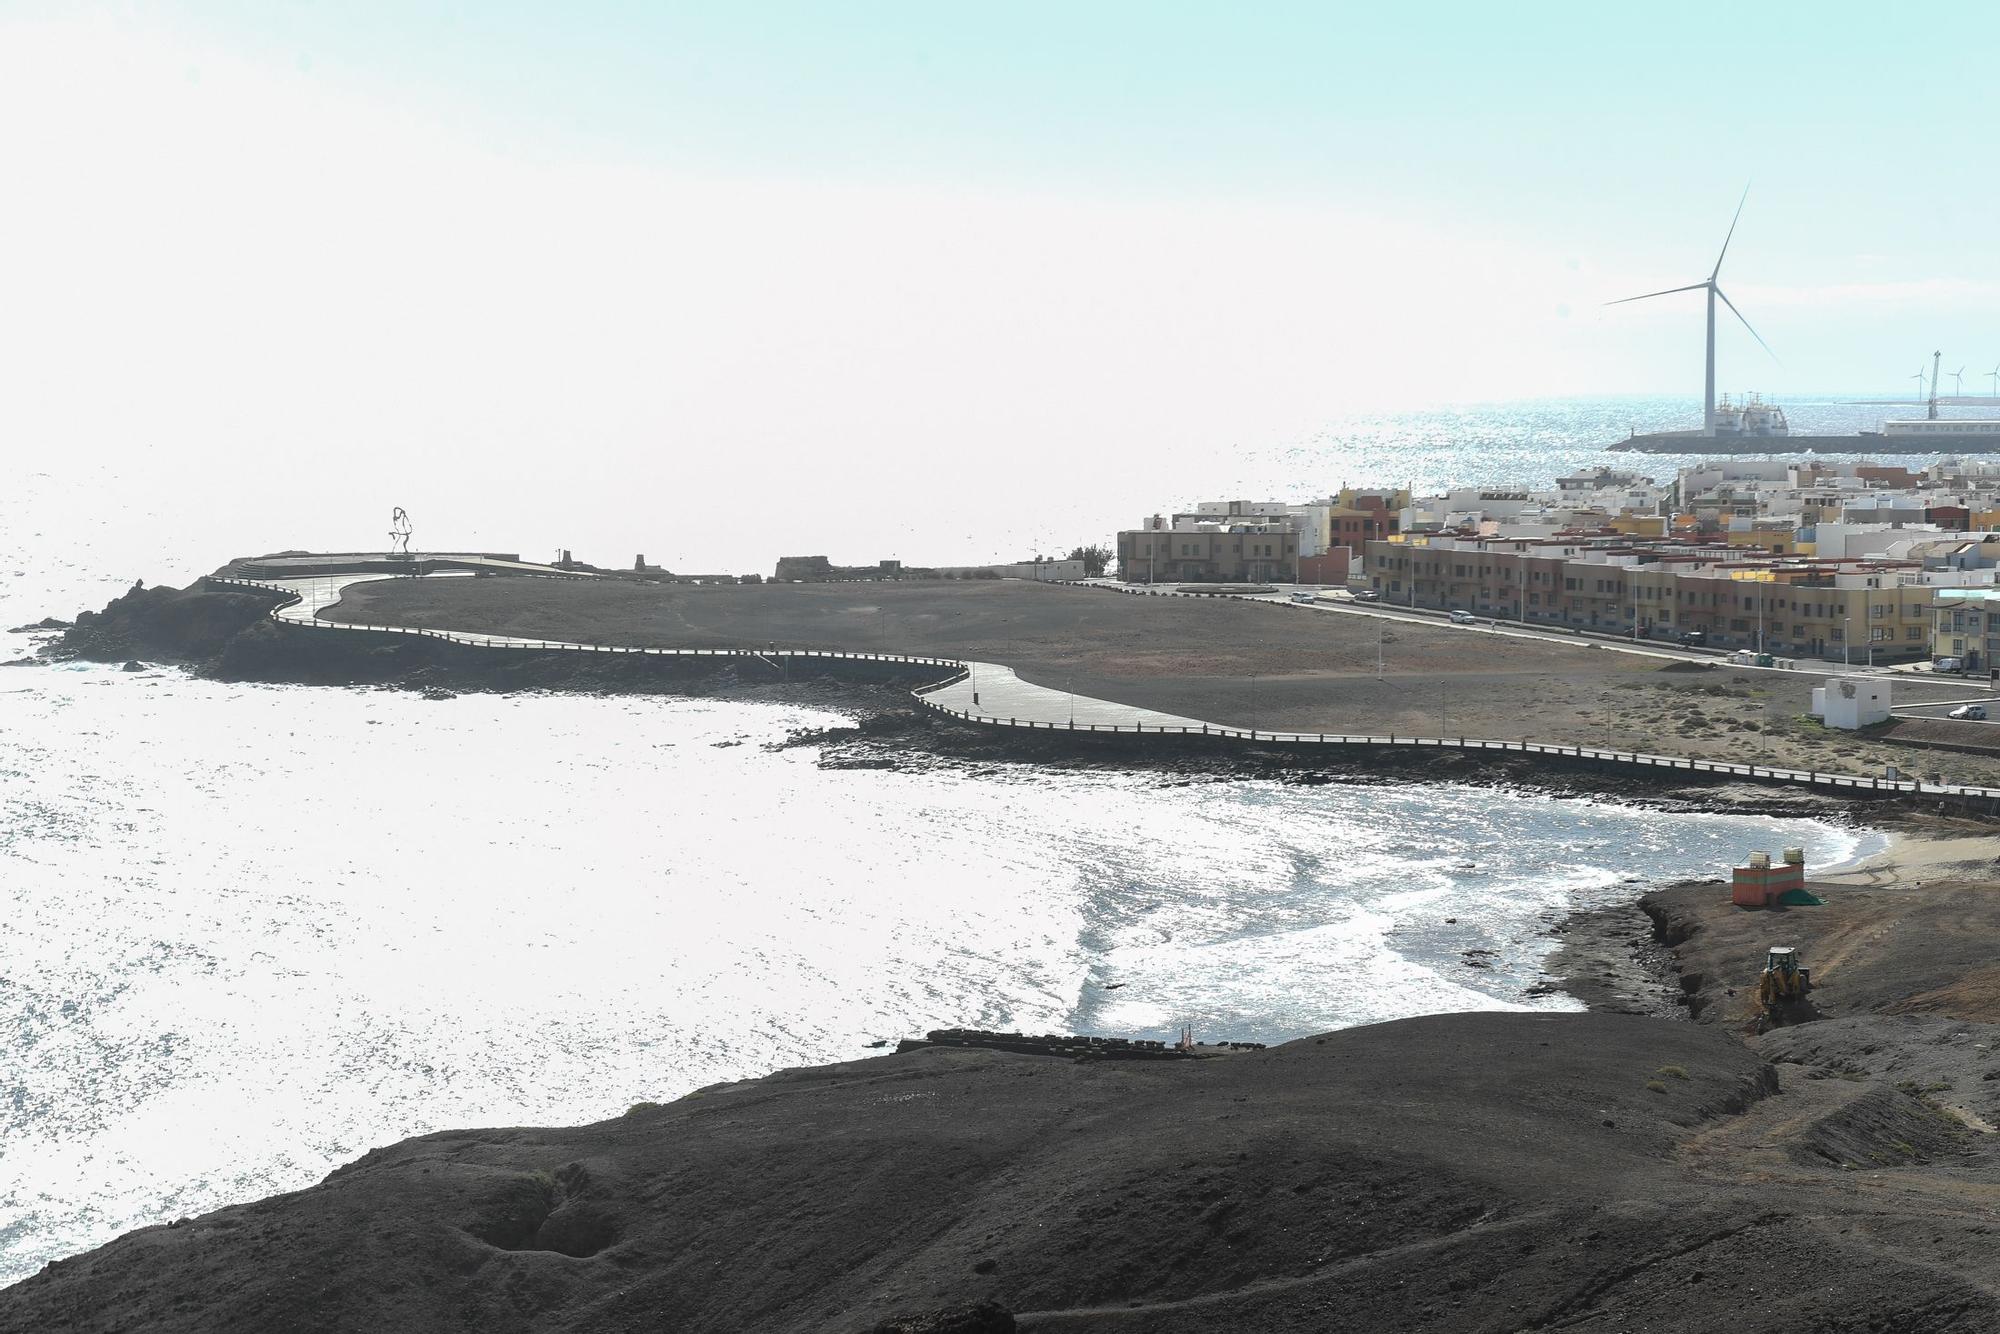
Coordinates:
<point>291,597</point>
<point>1632,759</point>
<point>960,671</point>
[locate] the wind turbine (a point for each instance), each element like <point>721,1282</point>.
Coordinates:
<point>1709,285</point>
<point>1994,375</point>
<point>1919,378</point>
<point>1957,382</point>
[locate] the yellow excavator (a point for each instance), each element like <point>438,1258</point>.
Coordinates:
<point>1784,983</point>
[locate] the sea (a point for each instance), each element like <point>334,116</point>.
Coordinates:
<point>249,932</point>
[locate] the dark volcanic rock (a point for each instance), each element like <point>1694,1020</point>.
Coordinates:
<point>979,1318</point>
<point>46,623</point>
<point>191,625</point>
<point>1491,1172</point>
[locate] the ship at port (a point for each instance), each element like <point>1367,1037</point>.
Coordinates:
<point>1753,426</point>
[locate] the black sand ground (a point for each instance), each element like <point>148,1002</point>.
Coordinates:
<point>1229,661</point>
<point>1486,1172</point>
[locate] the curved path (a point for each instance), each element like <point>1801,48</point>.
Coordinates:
<point>992,695</point>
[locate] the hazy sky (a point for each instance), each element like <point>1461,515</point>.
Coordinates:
<point>706,249</point>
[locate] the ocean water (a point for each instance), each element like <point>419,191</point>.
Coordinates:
<point>249,932</point>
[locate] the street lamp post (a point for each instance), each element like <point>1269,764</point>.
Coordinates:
<point>1846,639</point>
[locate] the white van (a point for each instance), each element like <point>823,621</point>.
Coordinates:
<point>1948,665</point>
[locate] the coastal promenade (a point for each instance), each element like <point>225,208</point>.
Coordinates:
<point>991,695</point>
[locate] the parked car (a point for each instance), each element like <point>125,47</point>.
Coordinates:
<point>1694,639</point>
<point>1464,618</point>
<point>1367,595</point>
<point>1948,665</point>
<point>1303,596</point>
<point>1975,712</point>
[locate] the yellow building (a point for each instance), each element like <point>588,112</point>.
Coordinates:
<point>1966,625</point>
<point>1640,525</point>
<point>1777,536</point>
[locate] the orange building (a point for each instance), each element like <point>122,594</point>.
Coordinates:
<point>1759,884</point>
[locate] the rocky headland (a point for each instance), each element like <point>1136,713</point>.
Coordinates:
<point>1461,1172</point>
<point>225,632</point>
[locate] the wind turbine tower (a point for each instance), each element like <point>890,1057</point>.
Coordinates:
<point>1714,293</point>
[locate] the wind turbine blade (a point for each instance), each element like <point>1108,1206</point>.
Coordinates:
<point>1746,324</point>
<point>1717,270</point>
<point>1691,287</point>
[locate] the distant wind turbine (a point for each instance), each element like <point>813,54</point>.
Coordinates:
<point>1994,375</point>
<point>1957,385</point>
<point>1709,285</point>
<point>1919,378</point>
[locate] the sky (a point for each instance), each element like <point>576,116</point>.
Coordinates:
<point>782,270</point>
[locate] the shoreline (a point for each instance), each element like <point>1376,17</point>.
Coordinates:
<point>1659,1135</point>
<point>226,634</point>
<point>1622,958</point>
<point>1414,1132</point>
<point>1611,958</point>
<point>1040,652</point>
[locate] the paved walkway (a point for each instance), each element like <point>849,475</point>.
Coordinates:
<point>993,693</point>
<point>1002,698</point>
<point>988,692</point>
